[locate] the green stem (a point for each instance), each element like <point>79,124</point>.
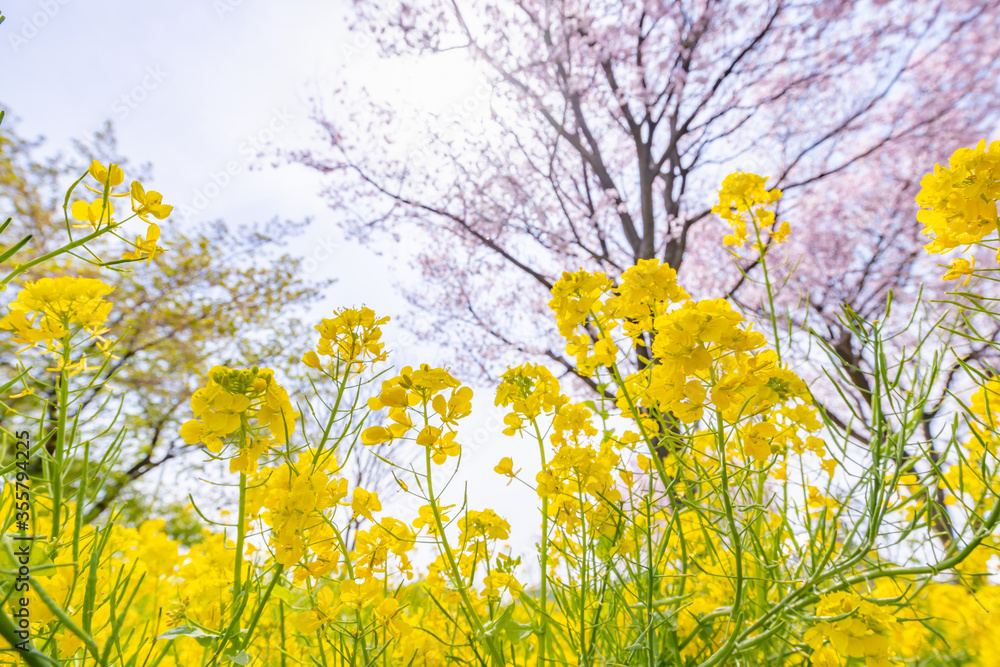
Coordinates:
<point>736,614</point>
<point>496,655</point>
<point>260,605</point>
<point>584,656</point>
<point>543,602</point>
<point>59,455</point>
<point>759,570</point>
<point>241,529</point>
<point>281,627</point>
<point>32,657</point>
<point>21,268</point>
<point>359,638</point>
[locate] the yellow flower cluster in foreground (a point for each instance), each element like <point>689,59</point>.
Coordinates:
<point>959,204</point>
<point>701,510</point>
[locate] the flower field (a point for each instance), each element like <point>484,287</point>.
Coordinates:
<point>704,508</point>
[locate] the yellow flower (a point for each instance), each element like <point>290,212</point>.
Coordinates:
<point>352,338</point>
<point>482,526</point>
<point>817,499</point>
<point>573,297</point>
<point>456,407</point>
<point>194,432</point>
<point>357,595</point>
<point>825,656</point>
<point>392,396</point>
<point>233,397</point>
<point>374,435</point>
<point>249,455</point>
<point>425,518</point>
<point>309,622</point>
<point>47,309</point>
<point>363,503</point>
<point>109,176</point>
<point>388,614</point>
<point>145,248</point>
<point>529,390</point>
<point>571,423</point>
<point>148,203</point>
<point>496,582</point>
<point>862,633</point>
<point>757,440</point>
<point>311,359</point>
<point>959,202</point>
<point>93,214</point>
<point>961,267</point>
<point>783,231</point>
<point>506,467</point>
<point>740,193</point>
<point>441,443</point>
<point>646,290</point>
<point>325,610</point>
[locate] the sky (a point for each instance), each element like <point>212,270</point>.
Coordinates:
<point>198,88</point>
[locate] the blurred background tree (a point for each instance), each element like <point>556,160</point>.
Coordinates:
<point>187,311</point>
<point>607,129</point>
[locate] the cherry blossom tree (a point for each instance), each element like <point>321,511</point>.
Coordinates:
<point>605,129</point>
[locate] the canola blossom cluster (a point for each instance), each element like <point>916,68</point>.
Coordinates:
<point>47,310</point>
<point>958,205</point>
<point>97,215</point>
<point>417,394</point>
<point>248,401</point>
<point>697,355</point>
<point>857,629</point>
<point>350,340</point>
<point>700,508</point>
<point>743,200</point>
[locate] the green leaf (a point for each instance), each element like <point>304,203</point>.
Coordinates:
<point>14,248</point>
<point>597,411</point>
<point>284,594</point>
<point>186,631</point>
<point>505,624</point>
<point>240,658</point>
<point>38,558</point>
